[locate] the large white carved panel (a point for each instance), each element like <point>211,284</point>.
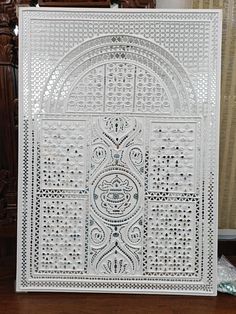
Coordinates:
<point>118,153</point>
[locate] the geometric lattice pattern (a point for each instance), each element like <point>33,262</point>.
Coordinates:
<point>118,149</point>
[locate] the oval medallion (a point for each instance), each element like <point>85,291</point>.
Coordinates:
<point>115,196</point>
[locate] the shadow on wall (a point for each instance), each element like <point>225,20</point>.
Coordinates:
<point>174,4</point>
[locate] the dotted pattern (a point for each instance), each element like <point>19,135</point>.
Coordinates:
<point>170,246</point>
<point>62,235</point>
<point>172,157</point>
<point>63,155</point>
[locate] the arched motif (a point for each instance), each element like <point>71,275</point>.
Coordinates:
<point>140,56</point>
<point>119,87</point>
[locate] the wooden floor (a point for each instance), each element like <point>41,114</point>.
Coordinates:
<point>71,303</point>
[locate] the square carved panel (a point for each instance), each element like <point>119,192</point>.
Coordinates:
<point>119,114</point>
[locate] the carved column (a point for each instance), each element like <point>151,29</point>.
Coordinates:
<point>8,111</point>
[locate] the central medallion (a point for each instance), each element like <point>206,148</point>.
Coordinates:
<point>115,196</point>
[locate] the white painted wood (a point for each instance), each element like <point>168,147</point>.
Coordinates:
<point>118,150</point>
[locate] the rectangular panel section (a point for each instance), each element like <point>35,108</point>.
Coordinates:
<point>116,195</point>
<point>63,154</point>
<point>62,235</point>
<point>172,160</point>
<point>171,238</point>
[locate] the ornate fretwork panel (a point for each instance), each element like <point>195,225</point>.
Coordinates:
<point>116,196</point>
<point>118,187</point>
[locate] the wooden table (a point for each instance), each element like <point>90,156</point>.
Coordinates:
<point>69,303</point>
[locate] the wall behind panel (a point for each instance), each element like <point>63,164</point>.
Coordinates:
<point>227,174</point>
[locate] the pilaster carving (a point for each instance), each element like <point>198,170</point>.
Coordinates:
<point>8,110</point>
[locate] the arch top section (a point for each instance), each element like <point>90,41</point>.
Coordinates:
<point>119,73</point>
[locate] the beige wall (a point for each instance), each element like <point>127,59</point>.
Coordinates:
<point>227,174</point>
<point>227,189</point>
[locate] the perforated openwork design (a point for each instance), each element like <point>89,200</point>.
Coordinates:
<point>118,151</point>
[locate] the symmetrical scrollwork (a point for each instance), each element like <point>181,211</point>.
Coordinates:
<point>116,195</point>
